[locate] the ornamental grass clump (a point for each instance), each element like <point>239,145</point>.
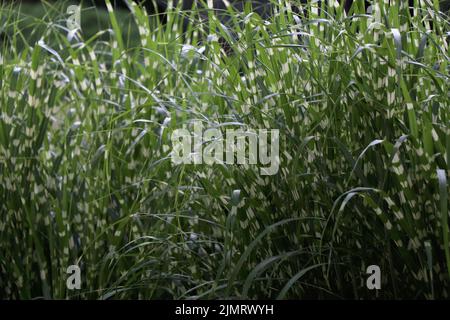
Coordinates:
<point>361,103</point>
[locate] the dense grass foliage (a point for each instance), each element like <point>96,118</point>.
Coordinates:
<point>362,104</point>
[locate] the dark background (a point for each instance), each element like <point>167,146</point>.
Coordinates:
<point>159,5</point>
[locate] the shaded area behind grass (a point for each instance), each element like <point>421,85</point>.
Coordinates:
<point>27,22</point>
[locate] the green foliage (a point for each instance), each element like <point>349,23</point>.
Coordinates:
<point>362,105</point>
